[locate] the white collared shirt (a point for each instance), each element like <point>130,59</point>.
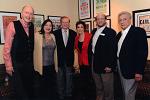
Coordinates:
<point>124,33</point>
<point>65,35</point>
<point>95,37</point>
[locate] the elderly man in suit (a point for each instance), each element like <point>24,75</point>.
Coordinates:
<point>132,54</point>
<point>65,38</point>
<point>102,51</point>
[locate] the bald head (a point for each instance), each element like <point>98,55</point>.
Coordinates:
<point>100,15</point>
<point>27,13</point>
<point>27,6</point>
<point>100,20</point>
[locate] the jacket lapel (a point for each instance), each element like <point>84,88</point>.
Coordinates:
<point>125,42</point>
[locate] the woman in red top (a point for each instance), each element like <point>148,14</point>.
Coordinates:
<point>84,85</point>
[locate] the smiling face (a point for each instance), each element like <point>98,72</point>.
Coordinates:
<point>100,20</point>
<point>80,29</point>
<point>65,23</point>
<point>48,27</point>
<point>27,14</point>
<point>124,20</point>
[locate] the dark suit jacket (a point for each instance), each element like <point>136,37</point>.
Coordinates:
<point>105,50</point>
<point>65,54</point>
<point>133,53</point>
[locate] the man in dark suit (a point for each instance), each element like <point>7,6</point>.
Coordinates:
<point>65,38</point>
<point>102,51</point>
<point>132,54</point>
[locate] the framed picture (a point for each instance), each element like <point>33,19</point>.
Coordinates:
<point>38,20</point>
<point>148,40</point>
<point>84,9</point>
<point>141,18</point>
<point>5,19</point>
<point>56,22</point>
<point>108,23</point>
<point>88,26</point>
<point>101,6</point>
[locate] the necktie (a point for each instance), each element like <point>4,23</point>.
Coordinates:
<point>65,37</point>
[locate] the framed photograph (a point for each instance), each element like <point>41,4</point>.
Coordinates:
<point>88,26</point>
<point>148,40</point>
<point>5,19</point>
<point>38,20</point>
<point>101,6</point>
<point>84,9</point>
<point>56,22</point>
<point>141,18</point>
<point>108,23</point>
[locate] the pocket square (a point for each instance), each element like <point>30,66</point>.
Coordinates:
<point>102,34</point>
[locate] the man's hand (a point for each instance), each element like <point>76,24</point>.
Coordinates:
<point>107,69</point>
<point>9,70</point>
<point>138,77</point>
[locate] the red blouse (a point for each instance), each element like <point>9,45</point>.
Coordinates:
<point>83,55</point>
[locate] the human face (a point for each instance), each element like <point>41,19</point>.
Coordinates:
<point>100,20</point>
<point>80,29</point>
<point>124,21</point>
<point>27,14</point>
<point>48,27</point>
<point>65,23</point>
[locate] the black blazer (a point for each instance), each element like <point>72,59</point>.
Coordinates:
<point>133,52</point>
<point>65,54</point>
<point>105,51</point>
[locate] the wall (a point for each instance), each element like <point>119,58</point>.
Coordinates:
<point>46,7</point>
<point>127,5</point>
<point>70,8</point>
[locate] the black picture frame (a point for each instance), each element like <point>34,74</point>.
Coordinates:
<point>99,4</point>
<point>84,9</point>
<point>141,18</point>
<point>88,27</point>
<point>5,18</point>
<point>56,21</point>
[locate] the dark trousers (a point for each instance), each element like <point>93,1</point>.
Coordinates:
<point>64,82</point>
<point>48,84</point>
<point>84,87</point>
<point>22,81</point>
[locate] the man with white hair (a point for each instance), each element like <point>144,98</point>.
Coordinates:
<point>132,54</point>
<point>18,54</point>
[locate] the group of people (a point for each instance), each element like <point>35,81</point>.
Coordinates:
<point>60,55</point>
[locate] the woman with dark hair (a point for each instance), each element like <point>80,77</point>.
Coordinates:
<point>45,59</point>
<point>84,86</point>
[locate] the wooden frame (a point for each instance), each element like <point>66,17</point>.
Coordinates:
<point>141,18</point>
<point>56,21</point>
<point>5,19</point>
<point>101,6</point>
<point>38,20</point>
<point>84,9</point>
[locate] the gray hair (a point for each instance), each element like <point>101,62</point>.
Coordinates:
<point>124,13</point>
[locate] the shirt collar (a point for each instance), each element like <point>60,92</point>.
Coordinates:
<point>65,30</point>
<point>24,24</point>
<point>101,28</point>
<point>126,30</point>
